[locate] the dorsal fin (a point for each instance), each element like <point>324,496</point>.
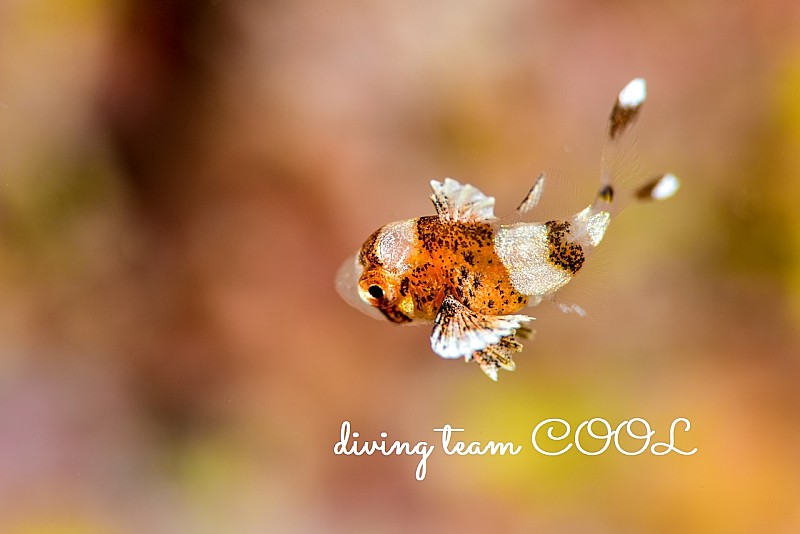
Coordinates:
<point>533,197</point>
<point>464,203</point>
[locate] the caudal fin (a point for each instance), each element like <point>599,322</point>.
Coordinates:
<point>617,150</point>
<point>589,225</point>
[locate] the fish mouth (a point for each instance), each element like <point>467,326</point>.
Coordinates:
<point>394,314</point>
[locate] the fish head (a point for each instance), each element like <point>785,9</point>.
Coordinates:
<point>377,276</point>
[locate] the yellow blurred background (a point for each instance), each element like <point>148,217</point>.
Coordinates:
<point>180,181</point>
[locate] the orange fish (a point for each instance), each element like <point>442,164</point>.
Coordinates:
<point>469,273</point>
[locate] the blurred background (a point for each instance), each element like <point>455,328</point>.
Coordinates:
<point>180,181</point>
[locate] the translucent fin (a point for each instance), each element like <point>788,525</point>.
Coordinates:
<point>570,308</point>
<point>588,227</point>
<point>626,108</point>
<point>465,203</point>
<point>347,287</point>
<point>533,197</point>
<point>617,160</point>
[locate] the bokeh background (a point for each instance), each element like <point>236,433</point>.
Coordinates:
<point>180,180</point>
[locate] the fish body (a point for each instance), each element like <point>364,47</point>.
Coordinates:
<point>470,273</point>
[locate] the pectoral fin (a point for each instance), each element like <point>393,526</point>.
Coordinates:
<point>490,340</point>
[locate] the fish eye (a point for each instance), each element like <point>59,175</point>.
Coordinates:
<point>375,291</point>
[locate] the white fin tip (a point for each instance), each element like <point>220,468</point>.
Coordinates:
<point>667,186</point>
<point>633,94</point>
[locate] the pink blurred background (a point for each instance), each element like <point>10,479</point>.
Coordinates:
<point>179,182</point>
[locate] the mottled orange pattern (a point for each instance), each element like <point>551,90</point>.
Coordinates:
<point>452,257</point>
